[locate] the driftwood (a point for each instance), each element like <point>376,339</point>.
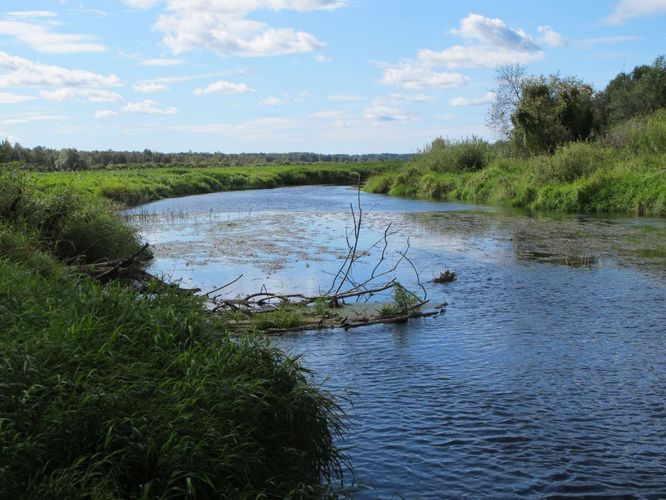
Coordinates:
<point>344,287</point>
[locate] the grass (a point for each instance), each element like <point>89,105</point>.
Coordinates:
<point>140,185</point>
<point>107,393</point>
<point>623,172</point>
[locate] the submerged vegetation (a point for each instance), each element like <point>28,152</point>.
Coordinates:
<point>108,393</point>
<point>566,148</point>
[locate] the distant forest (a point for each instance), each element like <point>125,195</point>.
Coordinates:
<point>40,158</point>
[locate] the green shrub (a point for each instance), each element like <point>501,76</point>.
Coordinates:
<point>570,162</point>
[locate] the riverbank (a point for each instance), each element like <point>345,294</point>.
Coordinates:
<point>622,172</point>
<point>133,186</point>
<point>108,392</point>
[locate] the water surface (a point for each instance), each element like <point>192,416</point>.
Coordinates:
<point>546,376</point>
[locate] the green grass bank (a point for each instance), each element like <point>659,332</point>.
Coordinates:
<point>108,393</point>
<point>134,186</point>
<point>624,171</point>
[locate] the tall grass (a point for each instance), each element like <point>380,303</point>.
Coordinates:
<point>136,186</point>
<point>106,393</point>
<point>625,171</point>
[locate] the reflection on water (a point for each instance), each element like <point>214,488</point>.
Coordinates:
<point>546,376</point>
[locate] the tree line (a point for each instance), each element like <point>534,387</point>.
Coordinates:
<point>536,114</point>
<point>41,158</point>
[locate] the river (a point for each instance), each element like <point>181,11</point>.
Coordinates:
<point>545,376</point>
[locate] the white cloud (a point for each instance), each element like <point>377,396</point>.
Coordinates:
<point>413,98</point>
<point>321,58</point>
<point>42,39</point>
<point>378,113</point>
<point>8,98</point>
<point>488,43</point>
<point>224,28</point>
<point>272,101</point>
<point>162,61</point>
<point>31,14</point>
<point>21,72</point>
<point>224,87</point>
<point>494,32</point>
<point>551,38</point>
<point>91,95</point>
<point>106,113</point>
<point>472,101</point>
<point>150,87</point>
<point>414,75</point>
<point>629,9</point>
<point>345,98</point>
<point>141,4</point>
<point>150,107</point>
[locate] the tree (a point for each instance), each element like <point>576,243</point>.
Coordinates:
<point>508,93</point>
<point>69,159</point>
<point>640,92</point>
<point>554,111</point>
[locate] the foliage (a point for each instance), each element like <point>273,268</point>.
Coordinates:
<point>106,393</point>
<point>553,111</point>
<point>640,92</point>
<point>69,225</point>
<point>45,159</point>
<point>135,186</point>
<point>470,154</point>
<point>508,92</point>
<point>403,302</point>
<point>626,177</point>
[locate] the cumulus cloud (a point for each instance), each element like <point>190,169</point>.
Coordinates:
<point>488,43</point>
<point>416,75</point>
<point>91,95</point>
<point>42,39</point>
<point>9,98</point>
<point>629,9</point>
<point>379,113</point>
<point>223,87</point>
<point>473,101</point>
<point>20,72</point>
<point>150,107</point>
<point>224,28</point>
<point>494,32</point>
<point>551,38</point>
<point>106,113</point>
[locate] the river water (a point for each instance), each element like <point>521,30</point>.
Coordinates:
<point>545,376</point>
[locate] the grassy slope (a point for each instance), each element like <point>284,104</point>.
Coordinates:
<point>135,186</point>
<point>625,172</point>
<point>105,393</point>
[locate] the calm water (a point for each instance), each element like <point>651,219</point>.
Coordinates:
<point>546,376</point>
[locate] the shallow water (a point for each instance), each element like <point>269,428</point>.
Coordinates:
<point>546,376</point>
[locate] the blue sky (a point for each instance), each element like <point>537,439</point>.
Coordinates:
<point>329,76</point>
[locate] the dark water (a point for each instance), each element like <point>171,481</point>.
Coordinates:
<point>545,377</point>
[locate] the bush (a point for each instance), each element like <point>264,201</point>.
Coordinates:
<point>467,155</point>
<point>570,162</point>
